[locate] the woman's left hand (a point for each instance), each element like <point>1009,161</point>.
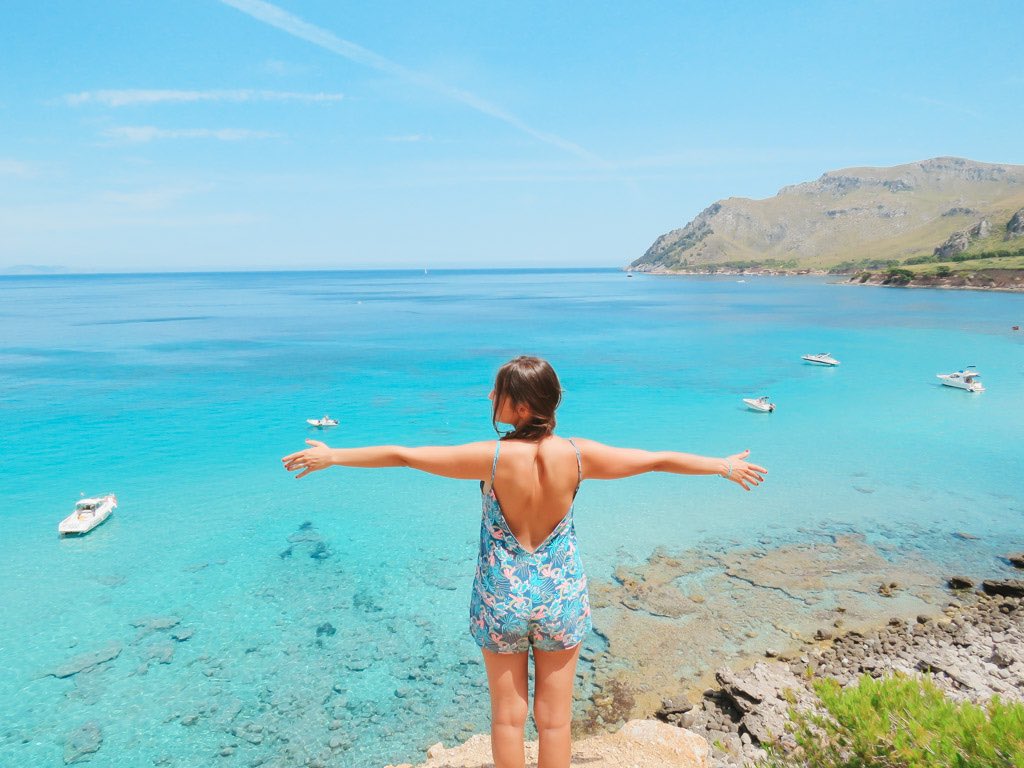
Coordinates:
<point>309,460</point>
<point>744,473</point>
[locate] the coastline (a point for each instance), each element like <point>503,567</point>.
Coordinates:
<point>987,279</point>
<point>665,656</point>
<point>1002,280</point>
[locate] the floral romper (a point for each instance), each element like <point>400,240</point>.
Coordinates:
<point>523,598</point>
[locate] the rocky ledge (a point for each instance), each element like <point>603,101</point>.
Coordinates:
<point>639,743</point>
<point>975,650</point>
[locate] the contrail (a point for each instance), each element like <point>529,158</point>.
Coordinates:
<point>293,25</point>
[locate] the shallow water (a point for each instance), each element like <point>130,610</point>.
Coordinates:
<point>181,392</point>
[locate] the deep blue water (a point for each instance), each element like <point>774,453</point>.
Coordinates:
<point>181,393</point>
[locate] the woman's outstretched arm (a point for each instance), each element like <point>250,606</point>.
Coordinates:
<point>605,462</point>
<point>471,461</point>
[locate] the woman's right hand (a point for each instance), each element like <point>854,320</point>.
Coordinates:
<point>318,456</point>
<point>743,472</point>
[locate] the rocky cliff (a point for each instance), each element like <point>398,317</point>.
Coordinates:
<point>848,216</point>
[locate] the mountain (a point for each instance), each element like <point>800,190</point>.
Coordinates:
<point>849,218</point>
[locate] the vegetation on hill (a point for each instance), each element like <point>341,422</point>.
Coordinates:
<point>902,722</point>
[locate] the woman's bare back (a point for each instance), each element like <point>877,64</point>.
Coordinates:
<point>535,483</point>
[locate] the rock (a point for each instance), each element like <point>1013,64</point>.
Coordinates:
<point>182,634</point>
<point>638,743</point>
<point>823,634</point>
<point>87,661</point>
<point>956,244</point>
<point>888,589</point>
<point>980,230</point>
<point>1016,558</point>
<point>82,742</point>
<point>947,663</point>
<point>1015,227</point>
<point>960,582</point>
<point>162,652</point>
<point>965,536</point>
<point>325,629</point>
<point>674,706</point>
<point>436,750</point>
<point>1004,588</point>
<point>154,624</point>
<point>761,682</point>
<point>320,551</point>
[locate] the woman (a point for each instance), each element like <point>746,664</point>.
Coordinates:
<point>530,589</point>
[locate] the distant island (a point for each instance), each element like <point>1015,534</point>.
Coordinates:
<point>944,222</point>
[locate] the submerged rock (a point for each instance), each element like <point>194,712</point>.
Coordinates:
<point>87,661</point>
<point>154,624</point>
<point>960,582</point>
<point>1004,588</point>
<point>82,742</point>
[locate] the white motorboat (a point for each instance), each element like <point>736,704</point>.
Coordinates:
<point>763,404</point>
<point>326,421</point>
<point>965,379</point>
<point>822,358</point>
<point>88,514</point>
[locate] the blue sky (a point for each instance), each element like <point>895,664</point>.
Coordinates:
<point>240,134</point>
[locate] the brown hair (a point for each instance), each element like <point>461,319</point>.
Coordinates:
<point>532,382</point>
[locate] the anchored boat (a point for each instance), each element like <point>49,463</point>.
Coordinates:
<point>822,358</point>
<point>88,514</point>
<point>326,421</point>
<point>965,379</point>
<point>763,404</point>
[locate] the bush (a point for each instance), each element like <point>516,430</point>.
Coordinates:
<point>897,276</point>
<point>902,722</point>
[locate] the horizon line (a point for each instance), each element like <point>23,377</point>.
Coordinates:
<point>275,270</point>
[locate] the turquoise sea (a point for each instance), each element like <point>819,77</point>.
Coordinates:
<point>252,619</point>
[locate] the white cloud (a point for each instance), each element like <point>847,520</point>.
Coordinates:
<point>124,98</point>
<point>153,199</point>
<point>293,25</point>
<point>9,167</point>
<point>140,134</point>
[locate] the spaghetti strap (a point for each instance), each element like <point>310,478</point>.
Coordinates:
<point>579,468</point>
<point>494,464</point>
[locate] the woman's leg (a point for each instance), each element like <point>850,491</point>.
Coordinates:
<point>507,675</point>
<point>555,675</point>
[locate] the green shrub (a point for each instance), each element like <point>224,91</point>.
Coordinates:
<point>897,276</point>
<point>902,722</point>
